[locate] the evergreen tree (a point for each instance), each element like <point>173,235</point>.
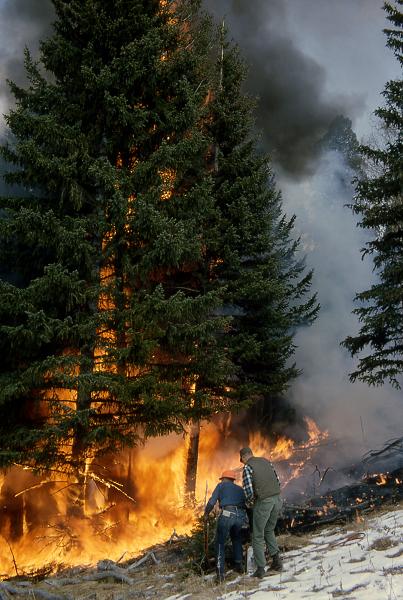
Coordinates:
<point>341,138</point>
<point>152,278</point>
<point>379,202</point>
<point>254,252</point>
<point>105,326</point>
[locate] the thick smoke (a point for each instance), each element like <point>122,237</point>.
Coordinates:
<point>285,43</point>
<point>363,416</point>
<point>294,108</point>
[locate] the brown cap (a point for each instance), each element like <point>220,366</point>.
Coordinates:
<point>244,451</point>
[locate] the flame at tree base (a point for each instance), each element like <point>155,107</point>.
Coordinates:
<point>138,501</point>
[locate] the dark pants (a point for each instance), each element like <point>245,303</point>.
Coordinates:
<point>232,526</point>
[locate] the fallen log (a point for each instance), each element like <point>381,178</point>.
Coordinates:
<point>4,595</point>
<point>342,504</point>
<point>62,581</point>
<point>30,591</point>
<point>112,574</point>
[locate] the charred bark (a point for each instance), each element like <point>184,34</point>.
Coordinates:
<point>343,504</point>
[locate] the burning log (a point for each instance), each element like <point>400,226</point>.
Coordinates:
<point>344,503</point>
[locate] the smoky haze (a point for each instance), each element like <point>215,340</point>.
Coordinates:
<point>362,417</point>
<point>310,61</point>
<point>295,105</point>
<point>22,24</point>
<point>294,109</point>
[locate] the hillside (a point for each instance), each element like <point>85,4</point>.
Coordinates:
<point>358,561</point>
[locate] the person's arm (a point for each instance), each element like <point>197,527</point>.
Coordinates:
<point>247,484</point>
<point>211,503</point>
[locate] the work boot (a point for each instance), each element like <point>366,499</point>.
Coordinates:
<point>260,573</point>
<point>277,563</point>
<point>238,568</point>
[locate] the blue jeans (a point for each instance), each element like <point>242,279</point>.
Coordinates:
<point>232,526</point>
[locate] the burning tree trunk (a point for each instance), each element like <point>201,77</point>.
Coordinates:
<point>191,462</point>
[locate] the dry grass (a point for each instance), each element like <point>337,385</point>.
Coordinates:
<point>290,541</point>
<point>383,543</point>
<point>156,583</point>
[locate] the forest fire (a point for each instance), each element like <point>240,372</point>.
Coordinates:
<point>133,500</point>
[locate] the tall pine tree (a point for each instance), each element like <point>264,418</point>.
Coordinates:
<point>253,251</point>
<point>379,203</point>
<point>106,326</point>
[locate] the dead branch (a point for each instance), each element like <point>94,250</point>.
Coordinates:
<point>12,554</point>
<point>391,445</point>
<point>38,485</point>
<point>324,474</point>
<point>138,563</point>
<point>62,581</point>
<point>121,558</point>
<point>109,484</point>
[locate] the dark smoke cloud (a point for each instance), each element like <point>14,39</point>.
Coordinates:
<point>294,110</point>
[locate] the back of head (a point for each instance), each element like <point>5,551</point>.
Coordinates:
<point>245,454</point>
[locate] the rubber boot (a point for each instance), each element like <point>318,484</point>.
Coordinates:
<point>277,563</point>
<point>260,573</point>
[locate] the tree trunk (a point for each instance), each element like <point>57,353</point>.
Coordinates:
<point>191,463</point>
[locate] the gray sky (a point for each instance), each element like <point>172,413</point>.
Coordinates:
<point>346,37</point>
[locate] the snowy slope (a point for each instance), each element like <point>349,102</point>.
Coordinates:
<point>355,563</point>
<point>366,564</point>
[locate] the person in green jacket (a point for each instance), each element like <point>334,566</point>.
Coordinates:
<point>262,490</point>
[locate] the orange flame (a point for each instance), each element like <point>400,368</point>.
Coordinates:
<point>382,480</point>
<point>152,475</point>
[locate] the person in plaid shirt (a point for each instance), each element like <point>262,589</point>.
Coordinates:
<point>262,491</point>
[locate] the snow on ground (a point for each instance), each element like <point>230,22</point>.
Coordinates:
<point>354,563</point>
